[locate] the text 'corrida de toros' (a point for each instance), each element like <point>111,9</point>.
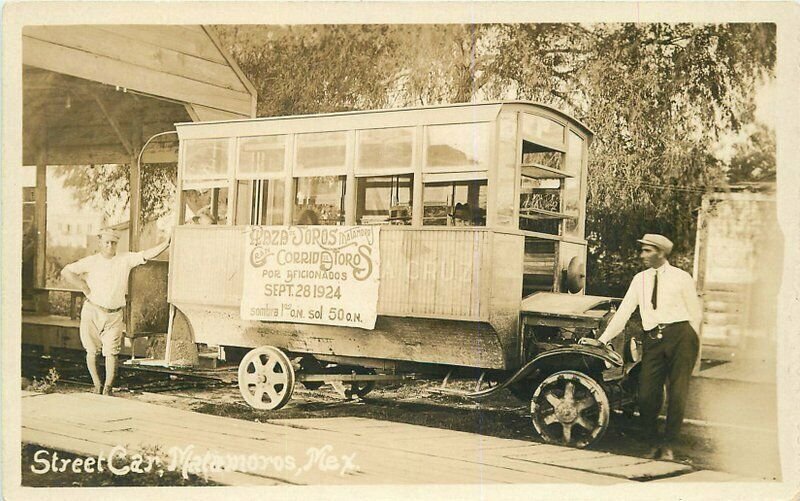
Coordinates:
<point>326,247</point>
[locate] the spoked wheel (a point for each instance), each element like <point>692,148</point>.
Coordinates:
<point>266,378</point>
<point>570,408</point>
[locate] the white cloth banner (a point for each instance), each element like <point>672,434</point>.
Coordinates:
<point>312,274</point>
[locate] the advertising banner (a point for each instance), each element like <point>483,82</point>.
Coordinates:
<point>312,274</point>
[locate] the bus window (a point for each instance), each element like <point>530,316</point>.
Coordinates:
<point>326,151</point>
<point>541,186</point>
<point>456,203</point>
<point>457,147</point>
<point>542,130</point>
<point>205,206</point>
<point>384,199</point>
<point>261,155</point>
<point>537,196</point>
<point>259,201</point>
<point>319,200</point>
<point>385,150</point>
<point>206,159</point>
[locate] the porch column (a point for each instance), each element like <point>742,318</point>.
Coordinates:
<point>134,228</point>
<point>40,257</point>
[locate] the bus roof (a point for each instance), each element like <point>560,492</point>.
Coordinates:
<point>489,108</point>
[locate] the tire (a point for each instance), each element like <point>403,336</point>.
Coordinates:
<point>266,372</point>
<point>570,408</point>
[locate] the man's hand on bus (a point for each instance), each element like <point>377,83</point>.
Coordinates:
<point>588,341</point>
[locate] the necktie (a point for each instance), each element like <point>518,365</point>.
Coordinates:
<point>654,298</point>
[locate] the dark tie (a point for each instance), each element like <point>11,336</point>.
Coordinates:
<point>654,299</point>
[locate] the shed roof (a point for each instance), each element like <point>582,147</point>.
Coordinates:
<point>90,90</point>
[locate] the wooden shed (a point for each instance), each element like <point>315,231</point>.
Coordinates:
<point>94,94</point>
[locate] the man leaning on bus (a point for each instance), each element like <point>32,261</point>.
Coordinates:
<point>103,278</point>
<point>671,315</point>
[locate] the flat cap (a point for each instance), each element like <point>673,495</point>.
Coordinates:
<point>657,241</point>
<point>109,233</point>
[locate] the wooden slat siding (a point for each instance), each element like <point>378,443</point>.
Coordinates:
<point>210,273</point>
<point>209,270</point>
<point>194,44</point>
<point>144,54</point>
<point>89,66</point>
<point>424,269</point>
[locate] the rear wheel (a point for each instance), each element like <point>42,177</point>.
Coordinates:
<point>266,378</point>
<point>570,408</point>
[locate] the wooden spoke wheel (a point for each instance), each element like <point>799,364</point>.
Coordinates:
<point>266,378</point>
<point>570,408</point>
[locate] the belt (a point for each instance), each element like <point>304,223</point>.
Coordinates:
<point>103,308</point>
<point>658,331</point>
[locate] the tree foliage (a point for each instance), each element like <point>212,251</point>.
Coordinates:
<point>106,188</point>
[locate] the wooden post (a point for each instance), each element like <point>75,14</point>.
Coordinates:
<point>134,228</point>
<point>40,258</point>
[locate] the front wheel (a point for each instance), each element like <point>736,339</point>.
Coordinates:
<point>266,378</point>
<point>570,408</point>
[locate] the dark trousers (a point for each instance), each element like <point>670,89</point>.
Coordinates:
<point>672,359</point>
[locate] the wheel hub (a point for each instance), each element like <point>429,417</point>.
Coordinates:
<point>566,413</point>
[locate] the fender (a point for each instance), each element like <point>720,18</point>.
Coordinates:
<point>605,355</point>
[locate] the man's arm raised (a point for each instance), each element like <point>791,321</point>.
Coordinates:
<point>75,280</point>
<point>152,252</point>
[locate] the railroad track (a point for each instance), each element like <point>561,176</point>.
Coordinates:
<point>71,369</point>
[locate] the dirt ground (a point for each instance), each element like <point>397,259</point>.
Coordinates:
<point>742,450</point>
<point>503,416</point>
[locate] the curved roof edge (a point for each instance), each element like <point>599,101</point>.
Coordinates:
<point>548,107</point>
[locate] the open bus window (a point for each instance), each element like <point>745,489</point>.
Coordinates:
<point>260,202</point>
<point>457,203</point>
<point>540,200</point>
<point>319,200</point>
<point>384,199</point>
<point>205,206</point>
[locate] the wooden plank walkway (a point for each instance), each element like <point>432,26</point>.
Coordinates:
<point>358,450</point>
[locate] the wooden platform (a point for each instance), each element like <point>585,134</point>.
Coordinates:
<point>383,452</point>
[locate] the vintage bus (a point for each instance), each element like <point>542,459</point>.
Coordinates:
<point>480,210</point>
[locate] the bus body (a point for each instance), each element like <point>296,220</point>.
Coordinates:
<point>480,205</point>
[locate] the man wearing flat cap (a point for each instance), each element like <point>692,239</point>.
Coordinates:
<point>103,278</point>
<point>671,315</point>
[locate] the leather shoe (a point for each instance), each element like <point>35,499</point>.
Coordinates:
<point>654,453</point>
<point>666,454</point>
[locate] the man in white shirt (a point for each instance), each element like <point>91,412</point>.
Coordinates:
<point>671,313</point>
<point>103,278</point>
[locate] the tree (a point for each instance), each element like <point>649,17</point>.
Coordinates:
<point>754,159</point>
<point>106,188</point>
